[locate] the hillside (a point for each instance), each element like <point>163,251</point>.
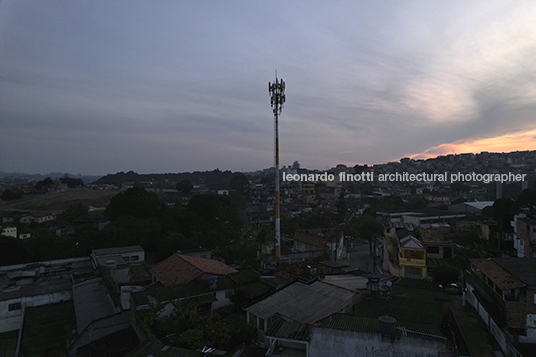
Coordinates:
<point>58,201</point>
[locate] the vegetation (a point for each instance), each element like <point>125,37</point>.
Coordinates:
<point>445,274</point>
<point>9,195</point>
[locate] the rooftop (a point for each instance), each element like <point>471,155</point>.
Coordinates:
<point>116,250</point>
<point>91,302</point>
<point>522,268</point>
<point>38,279</point>
<point>348,322</point>
<point>432,236</point>
<point>304,303</point>
<point>181,269</point>
<point>291,330</point>
<point>502,278</point>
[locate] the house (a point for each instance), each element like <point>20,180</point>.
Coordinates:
<point>294,308</point>
<point>121,255</point>
<point>38,218</point>
<point>421,218</point>
<point>342,334</point>
<point>524,235</point>
<point>8,231</point>
<point>301,302</point>
<point>7,219</point>
<point>411,254</point>
<point>27,219</point>
<point>205,297</point>
<point>36,284</point>
<point>91,302</point>
<point>44,217</point>
<point>437,246</point>
<point>470,207</point>
<point>503,292</point>
<point>181,269</point>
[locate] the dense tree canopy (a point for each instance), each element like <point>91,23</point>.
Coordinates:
<point>135,202</point>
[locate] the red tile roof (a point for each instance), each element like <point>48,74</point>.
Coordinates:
<point>181,269</point>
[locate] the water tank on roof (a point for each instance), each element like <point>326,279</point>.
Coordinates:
<point>111,264</point>
<point>387,324</point>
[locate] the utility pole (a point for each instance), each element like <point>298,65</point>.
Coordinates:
<point>277,95</point>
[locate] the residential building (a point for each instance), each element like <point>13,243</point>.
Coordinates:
<point>181,269</point>
<point>348,335</point>
<point>411,254</point>
<point>436,244</point>
<point>503,292</point>
<point>421,218</point>
<point>301,302</point>
<point>121,255</point>
<point>8,231</point>
<point>524,235</point>
<point>36,284</point>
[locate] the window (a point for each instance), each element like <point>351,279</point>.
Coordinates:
<point>126,257</point>
<point>432,250</point>
<point>261,323</point>
<point>15,306</point>
<point>228,294</point>
<point>134,258</point>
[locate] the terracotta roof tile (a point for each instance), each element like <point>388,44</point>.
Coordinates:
<point>181,269</point>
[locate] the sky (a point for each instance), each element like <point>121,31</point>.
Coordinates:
<point>97,87</point>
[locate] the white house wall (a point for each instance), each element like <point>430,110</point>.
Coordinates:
<point>10,319</point>
<point>331,342</point>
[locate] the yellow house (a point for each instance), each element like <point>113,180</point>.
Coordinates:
<point>411,255</point>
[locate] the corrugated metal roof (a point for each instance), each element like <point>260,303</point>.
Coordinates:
<point>522,268</point>
<point>304,303</point>
<point>502,278</point>
<point>291,330</point>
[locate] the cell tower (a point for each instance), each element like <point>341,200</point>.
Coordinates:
<point>277,95</point>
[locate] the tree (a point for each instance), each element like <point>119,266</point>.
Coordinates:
<point>192,338</point>
<point>185,186</point>
<point>215,331</point>
<point>445,274</point>
<point>44,184</point>
<point>238,180</point>
<point>342,208</point>
<point>503,210</point>
<point>9,195</point>
<point>73,211</point>
<point>527,198</point>
<point>134,202</point>
<point>365,227</point>
<point>71,182</point>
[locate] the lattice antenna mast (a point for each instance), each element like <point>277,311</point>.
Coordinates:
<point>277,95</point>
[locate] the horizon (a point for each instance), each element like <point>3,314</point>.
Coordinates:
<point>154,87</point>
<point>255,170</point>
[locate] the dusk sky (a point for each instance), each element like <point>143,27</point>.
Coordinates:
<point>97,87</point>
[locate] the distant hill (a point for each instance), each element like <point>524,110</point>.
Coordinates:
<point>53,175</point>
<point>215,180</point>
